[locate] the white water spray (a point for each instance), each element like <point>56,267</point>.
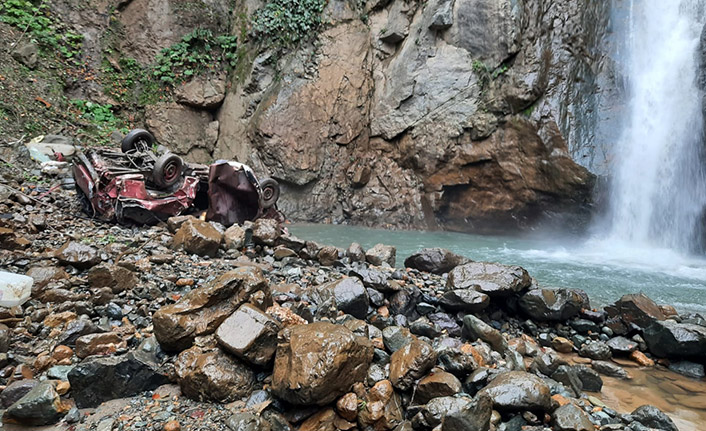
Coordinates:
<point>658,191</point>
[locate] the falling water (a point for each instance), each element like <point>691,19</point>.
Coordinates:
<point>658,192</point>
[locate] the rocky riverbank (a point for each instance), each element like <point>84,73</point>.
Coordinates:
<point>188,325</point>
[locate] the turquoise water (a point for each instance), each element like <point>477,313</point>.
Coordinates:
<point>606,270</point>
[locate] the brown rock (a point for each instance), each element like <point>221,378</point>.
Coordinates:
<point>285,316</point>
<point>62,387</point>
<point>43,275</point>
<point>638,309</point>
<point>201,311</point>
<point>77,254</point>
<point>328,255</point>
<point>282,252</point>
<point>172,426</point>
<point>324,420</point>
<point>113,276</point>
<point>518,390</point>
<point>234,237</point>
<point>197,237</point>
<point>249,334</point>
<point>266,231</point>
<point>57,319</point>
<point>382,409</point>
<point>202,91</point>
<point>212,375</point>
<point>437,384</point>
<point>174,223</point>
<point>410,363</point>
<point>62,352</point>
<point>563,345</point>
<point>347,406</point>
<point>317,363</point>
<point>641,359</point>
<point>99,344</point>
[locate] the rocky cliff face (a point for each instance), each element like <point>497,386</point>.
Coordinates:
<point>460,114</point>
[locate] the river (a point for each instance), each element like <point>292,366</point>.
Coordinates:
<point>606,271</point>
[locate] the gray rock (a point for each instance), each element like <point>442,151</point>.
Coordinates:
<point>435,260</point>
<point>27,54</point>
<point>492,279</point>
<point>590,379</point>
<point>234,237</point>
<point>350,296</point>
<point>689,369</point>
<point>680,340</point>
<point>75,329</point>
<point>59,372</point>
<point>517,391</point>
<point>571,418</point>
<point>77,254</point>
<point>249,334</point>
<point>610,369</point>
<point>373,279</point>
<point>100,379</point>
<point>443,15</point>
<point>425,327</point>
<point>466,300</point>
<point>356,253</point>
<point>474,328</point>
<point>653,417</point>
<point>16,390</point>
<point>584,326</point>
<point>247,422</point>
<point>553,305</point>
<point>202,91</point>
<point>596,350</point>
<point>380,254</point>
<point>621,345</point>
<point>467,413</point>
<point>568,376</point>
<point>547,362</point>
<point>42,405</point>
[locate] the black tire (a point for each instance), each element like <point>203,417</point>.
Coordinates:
<point>137,139</point>
<point>270,192</point>
<point>168,170</point>
<point>86,206</point>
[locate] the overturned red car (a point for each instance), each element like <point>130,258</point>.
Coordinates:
<point>145,183</point>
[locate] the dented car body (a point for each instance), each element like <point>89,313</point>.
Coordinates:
<point>145,184</point>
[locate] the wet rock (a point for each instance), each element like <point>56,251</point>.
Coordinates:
<point>212,375</point>
<point>610,369</point>
<point>396,337</point>
<point>621,345</point>
<point>382,408</point>
<point>115,277</point>
<point>653,417</point>
<point>553,305</point>
<point>327,255</point>
<point>75,329</point>
<point>99,379</point>
<point>457,360</point>
<point>641,359</point>
<point>425,327</point>
<point>596,350</point>
<point>234,237</point>
<point>410,363</point>
<point>247,422</point>
<point>42,405</point>
<point>457,413</point>
<point>356,253</point>
<point>350,296</point>
<point>325,420</point>
<point>467,300</point>
<point>202,310</point>
<point>590,380</point>
<point>380,254</point>
<point>434,260</point>
<point>347,406</point>
<point>474,328</point>
<point>492,279</point>
<point>405,302</point>
<point>373,279</point>
<point>571,418</point>
<point>639,310</point>
<point>517,391</point>
<point>569,377</point>
<point>197,237</point>
<point>43,275</point>
<point>680,340</point>
<point>562,345</point>
<point>584,326</point>
<point>249,334</point>
<point>16,390</point>
<point>436,384</point>
<point>99,344</point>
<point>77,254</point>
<point>689,369</point>
<point>317,363</point>
<point>266,231</point>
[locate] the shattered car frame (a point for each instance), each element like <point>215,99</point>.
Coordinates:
<point>146,183</point>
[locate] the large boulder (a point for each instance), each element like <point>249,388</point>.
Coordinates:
<point>203,310</point>
<point>410,363</point>
<point>250,334</point>
<point>382,408</point>
<point>474,328</point>
<point>467,300</point>
<point>638,309</point>
<point>518,391</point>
<point>492,279</point>
<point>348,294</point>
<point>202,91</point>
<point>212,375</point>
<point>99,379</point>
<point>317,363</point>
<point>651,416</point>
<point>457,413</point>
<point>381,253</point>
<point>198,237</point>
<point>553,305</point>
<point>671,339</point>
<point>42,405</point>
<point>571,418</point>
<point>434,260</point>
<point>190,132</point>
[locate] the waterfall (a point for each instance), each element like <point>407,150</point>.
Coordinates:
<point>658,186</point>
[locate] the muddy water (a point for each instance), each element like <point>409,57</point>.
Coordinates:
<point>682,398</point>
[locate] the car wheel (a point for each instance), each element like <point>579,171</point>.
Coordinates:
<point>85,203</point>
<point>270,192</point>
<point>137,139</point>
<point>167,170</point>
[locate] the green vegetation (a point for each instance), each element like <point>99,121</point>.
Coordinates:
<point>128,82</point>
<point>95,113</point>
<point>197,52</point>
<point>35,20</point>
<point>285,23</point>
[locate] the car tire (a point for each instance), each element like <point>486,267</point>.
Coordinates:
<point>167,170</point>
<point>270,192</point>
<point>137,136</point>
